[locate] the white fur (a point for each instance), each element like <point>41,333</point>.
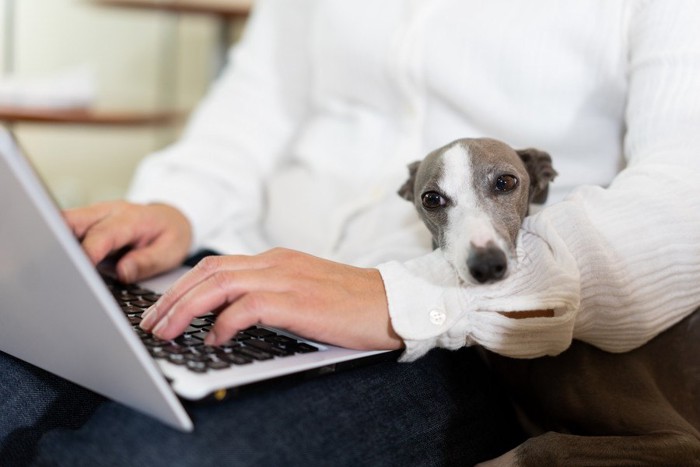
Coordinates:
<point>469,226</point>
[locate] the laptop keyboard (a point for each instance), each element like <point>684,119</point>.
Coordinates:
<point>252,344</point>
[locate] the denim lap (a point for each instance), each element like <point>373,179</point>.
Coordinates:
<point>444,409</point>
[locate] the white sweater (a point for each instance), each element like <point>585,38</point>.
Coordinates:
<point>304,140</point>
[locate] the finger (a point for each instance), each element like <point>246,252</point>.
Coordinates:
<point>212,264</point>
<point>251,309</point>
<point>109,235</point>
<point>203,271</point>
<point>147,261</point>
<point>216,291</point>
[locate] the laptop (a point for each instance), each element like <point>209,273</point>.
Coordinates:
<point>60,314</point>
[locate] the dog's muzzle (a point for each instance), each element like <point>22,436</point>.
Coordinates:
<point>487,264</point>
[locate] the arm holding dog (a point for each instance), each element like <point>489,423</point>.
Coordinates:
<point>625,258</point>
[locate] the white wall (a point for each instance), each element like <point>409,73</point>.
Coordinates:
<point>141,59</point>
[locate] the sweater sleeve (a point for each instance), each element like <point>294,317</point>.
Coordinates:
<point>618,265</point>
<point>237,134</point>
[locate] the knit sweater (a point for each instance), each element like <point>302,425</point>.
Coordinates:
<point>304,139</point>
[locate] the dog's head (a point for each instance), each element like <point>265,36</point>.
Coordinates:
<point>473,194</point>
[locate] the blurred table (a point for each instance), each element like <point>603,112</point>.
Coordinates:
<point>226,9</point>
<point>81,116</point>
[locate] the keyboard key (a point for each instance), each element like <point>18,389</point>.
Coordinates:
<point>140,303</point>
<point>269,348</point>
<point>227,347</point>
<point>305,348</point>
<point>259,332</point>
<point>280,339</point>
<point>136,290</point>
<point>152,341</point>
<point>186,340</point>
<point>241,336</point>
<point>252,352</point>
<point>177,359</point>
<point>129,309</point>
<point>195,357</point>
<point>217,364</point>
<point>200,335</point>
<point>197,367</point>
<point>235,358</point>
<point>158,352</point>
<point>283,343</point>
<point>123,296</point>
<point>175,349</point>
<point>207,349</point>
<point>199,323</point>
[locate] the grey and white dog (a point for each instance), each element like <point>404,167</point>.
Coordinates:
<point>584,406</point>
<point>473,195</point>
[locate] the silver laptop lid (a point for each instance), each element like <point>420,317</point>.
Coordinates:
<point>56,312</point>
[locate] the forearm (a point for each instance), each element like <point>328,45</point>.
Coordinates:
<point>430,308</point>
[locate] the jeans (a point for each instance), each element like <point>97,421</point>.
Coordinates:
<point>444,409</point>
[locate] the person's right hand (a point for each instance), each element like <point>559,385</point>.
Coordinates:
<point>158,235</point>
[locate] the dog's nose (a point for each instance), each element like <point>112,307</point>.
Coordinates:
<point>487,264</point>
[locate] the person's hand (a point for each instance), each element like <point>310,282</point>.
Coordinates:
<point>158,236</point>
<point>308,296</point>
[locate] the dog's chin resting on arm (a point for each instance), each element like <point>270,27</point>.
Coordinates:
<point>473,195</point>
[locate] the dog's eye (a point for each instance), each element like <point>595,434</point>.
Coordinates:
<point>505,183</point>
<point>433,199</point>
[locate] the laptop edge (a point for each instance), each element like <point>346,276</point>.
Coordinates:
<point>101,351</point>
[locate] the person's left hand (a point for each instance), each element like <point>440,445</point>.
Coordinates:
<point>308,296</point>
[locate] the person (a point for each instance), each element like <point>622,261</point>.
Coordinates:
<point>290,167</point>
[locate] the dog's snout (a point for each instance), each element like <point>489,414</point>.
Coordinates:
<point>487,264</point>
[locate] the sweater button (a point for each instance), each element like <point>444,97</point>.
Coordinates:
<point>437,317</point>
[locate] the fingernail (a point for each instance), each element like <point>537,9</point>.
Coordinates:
<point>210,338</point>
<point>160,327</point>
<point>148,317</point>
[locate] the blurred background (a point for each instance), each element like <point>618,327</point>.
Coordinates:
<point>91,86</point>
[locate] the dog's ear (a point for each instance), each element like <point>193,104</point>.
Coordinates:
<point>406,190</point>
<point>539,167</point>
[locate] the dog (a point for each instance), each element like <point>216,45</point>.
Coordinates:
<point>584,406</point>
<point>473,195</point>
